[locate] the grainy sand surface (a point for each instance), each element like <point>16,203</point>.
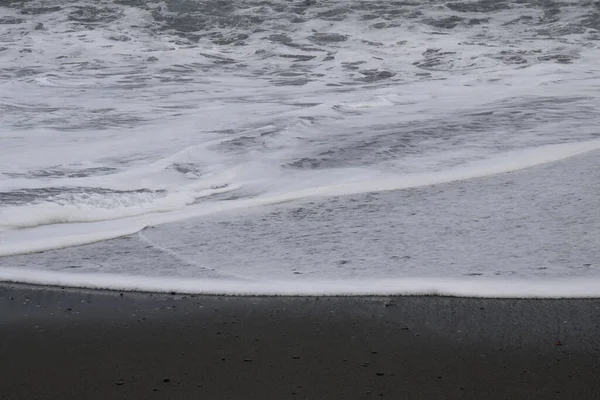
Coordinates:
<point>72,344</point>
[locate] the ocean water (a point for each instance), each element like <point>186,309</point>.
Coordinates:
<point>301,147</point>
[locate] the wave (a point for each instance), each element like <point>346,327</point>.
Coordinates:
<point>85,208</point>
<point>49,237</point>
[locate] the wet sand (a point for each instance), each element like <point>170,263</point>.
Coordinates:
<point>59,344</point>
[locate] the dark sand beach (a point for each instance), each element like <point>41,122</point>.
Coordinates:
<point>76,344</point>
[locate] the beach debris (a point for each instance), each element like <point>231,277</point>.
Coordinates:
<point>167,380</point>
<point>379,373</point>
<point>558,343</point>
<point>247,360</point>
<point>120,382</point>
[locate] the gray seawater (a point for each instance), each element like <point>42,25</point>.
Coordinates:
<point>142,125</point>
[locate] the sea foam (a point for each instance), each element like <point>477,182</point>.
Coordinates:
<point>54,236</point>
<point>548,288</point>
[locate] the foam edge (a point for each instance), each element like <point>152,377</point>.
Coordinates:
<point>548,288</point>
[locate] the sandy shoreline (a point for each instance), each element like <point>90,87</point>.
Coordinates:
<point>96,344</point>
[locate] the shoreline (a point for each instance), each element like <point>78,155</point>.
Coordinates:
<point>532,225</point>
<point>467,287</point>
<point>92,344</point>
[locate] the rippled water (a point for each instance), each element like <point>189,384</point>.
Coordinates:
<point>120,114</point>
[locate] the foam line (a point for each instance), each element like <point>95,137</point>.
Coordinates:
<point>503,163</point>
<point>49,213</point>
<point>45,243</point>
<point>93,232</point>
<point>548,288</point>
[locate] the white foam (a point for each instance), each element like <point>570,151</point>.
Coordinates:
<point>55,213</point>
<point>501,163</point>
<point>545,288</point>
<point>100,207</point>
<point>50,237</point>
